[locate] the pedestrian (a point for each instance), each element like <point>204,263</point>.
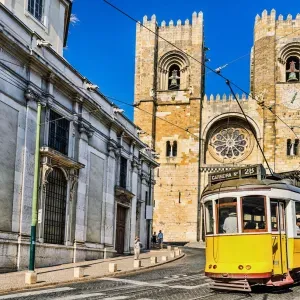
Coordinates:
<point>160,237</point>
<point>137,248</point>
<point>154,239</point>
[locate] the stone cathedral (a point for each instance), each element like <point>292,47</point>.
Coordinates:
<point>194,134</point>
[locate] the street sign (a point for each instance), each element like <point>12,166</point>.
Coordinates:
<point>256,171</point>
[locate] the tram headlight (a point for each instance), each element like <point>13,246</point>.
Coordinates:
<point>248,267</point>
<point>215,266</point>
<point>241,267</point>
<point>210,266</point>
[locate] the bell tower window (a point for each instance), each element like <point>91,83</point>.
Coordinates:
<point>292,69</point>
<point>173,71</point>
<point>174,77</point>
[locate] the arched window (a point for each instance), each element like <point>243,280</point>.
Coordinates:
<point>174,149</point>
<point>174,77</point>
<point>292,68</point>
<point>173,71</point>
<point>55,208</point>
<point>168,149</point>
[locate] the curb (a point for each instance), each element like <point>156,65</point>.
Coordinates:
<point>89,278</point>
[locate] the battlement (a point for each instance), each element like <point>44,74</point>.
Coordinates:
<point>225,98</point>
<point>269,18</point>
<point>196,20</point>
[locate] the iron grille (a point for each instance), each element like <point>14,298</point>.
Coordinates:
<point>35,7</point>
<point>55,208</point>
<point>58,133</point>
<point>123,172</point>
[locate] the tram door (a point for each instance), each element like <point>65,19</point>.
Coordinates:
<point>279,240</point>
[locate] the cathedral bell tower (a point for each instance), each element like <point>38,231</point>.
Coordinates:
<point>168,89</point>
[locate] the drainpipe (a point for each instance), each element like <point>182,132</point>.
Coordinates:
<point>35,189</point>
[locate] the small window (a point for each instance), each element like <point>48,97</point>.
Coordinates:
<point>174,149</point>
<point>292,69</point>
<point>174,77</point>
<point>36,8</point>
<point>254,214</point>
<point>168,148</point>
<point>297,208</point>
<point>58,133</point>
<point>288,147</point>
<point>274,216</point>
<point>123,172</point>
<point>296,147</point>
<point>227,215</point>
<point>209,217</point>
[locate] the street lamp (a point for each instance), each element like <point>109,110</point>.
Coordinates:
<point>31,275</point>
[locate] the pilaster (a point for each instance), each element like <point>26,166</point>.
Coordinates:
<point>85,132</point>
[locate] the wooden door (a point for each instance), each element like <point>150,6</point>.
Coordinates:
<point>120,230</point>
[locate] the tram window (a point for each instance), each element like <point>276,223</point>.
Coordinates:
<point>274,216</point>
<point>297,208</point>
<point>227,215</point>
<point>209,219</point>
<point>254,214</point>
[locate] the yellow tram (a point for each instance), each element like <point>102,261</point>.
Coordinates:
<point>251,231</point>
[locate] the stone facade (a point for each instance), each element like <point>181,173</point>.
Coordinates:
<point>217,127</point>
<point>95,172</point>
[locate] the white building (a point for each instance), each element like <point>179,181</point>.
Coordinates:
<point>96,176</point>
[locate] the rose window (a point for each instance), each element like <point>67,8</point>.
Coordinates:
<point>230,144</point>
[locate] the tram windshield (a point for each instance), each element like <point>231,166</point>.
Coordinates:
<point>253,213</point>
<point>223,214</point>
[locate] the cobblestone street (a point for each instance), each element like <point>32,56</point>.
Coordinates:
<point>180,280</point>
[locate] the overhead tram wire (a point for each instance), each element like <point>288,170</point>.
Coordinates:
<point>195,59</point>
<point>257,50</point>
<point>125,103</point>
<point>211,69</point>
<point>132,105</point>
<point>258,144</point>
<point>112,98</point>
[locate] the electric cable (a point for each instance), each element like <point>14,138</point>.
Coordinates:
<point>257,50</point>
<point>195,59</point>
<point>258,144</point>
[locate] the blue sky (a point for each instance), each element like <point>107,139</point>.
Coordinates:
<point>102,44</point>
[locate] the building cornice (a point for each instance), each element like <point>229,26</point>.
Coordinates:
<point>38,60</point>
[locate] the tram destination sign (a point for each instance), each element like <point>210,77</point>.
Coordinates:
<point>256,171</point>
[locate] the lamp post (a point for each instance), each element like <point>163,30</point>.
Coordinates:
<point>31,276</point>
<point>35,189</point>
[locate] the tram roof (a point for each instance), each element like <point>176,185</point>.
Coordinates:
<point>250,183</point>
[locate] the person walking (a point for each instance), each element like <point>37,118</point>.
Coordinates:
<point>160,237</point>
<point>154,239</point>
<point>137,248</point>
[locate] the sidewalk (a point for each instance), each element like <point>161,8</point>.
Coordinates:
<point>199,245</point>
<point>92,269</point>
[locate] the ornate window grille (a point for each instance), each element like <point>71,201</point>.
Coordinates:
<point>123,172</point>
<point>55,208</point>
<point>36,8</point>
<point>58,133</point>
